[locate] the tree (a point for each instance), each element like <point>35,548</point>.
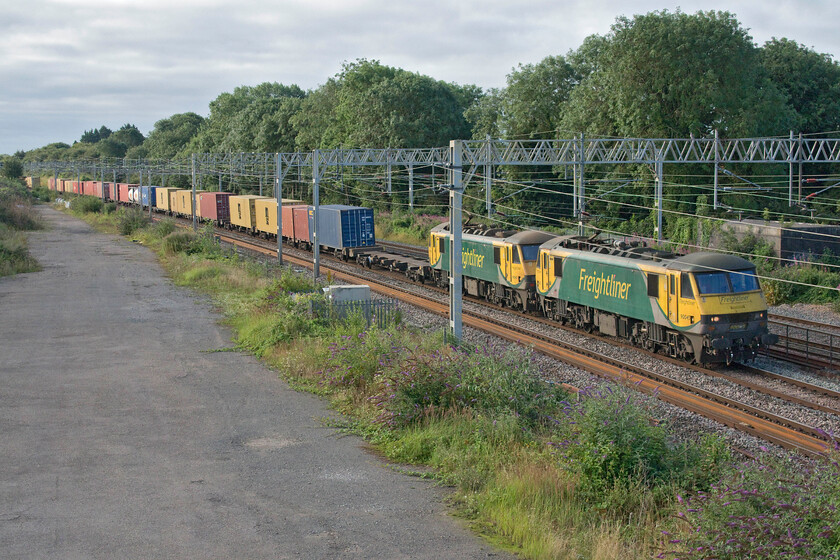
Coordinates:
<point>668,74</point>
<point>810,80</point>
<point>485,114</point>
<point>110,147</point>
<point>369,104</point>
<point>251,119</point>
<point>172,134</point>
<point>95,135</point>
<point>12,167</point>
<point>129,135</point>
<point>534,98</point>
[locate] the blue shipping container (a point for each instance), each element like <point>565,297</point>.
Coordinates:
<point>144,194</point>
<point>343,227</point>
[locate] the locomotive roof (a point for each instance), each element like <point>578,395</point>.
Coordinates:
<point>530,238</point>
<point>527,237</point>
<point>707,262</point>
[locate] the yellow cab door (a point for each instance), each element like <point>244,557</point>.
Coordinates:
<point>543,271</point>
<point>689,310</point>
<point>673,305</point>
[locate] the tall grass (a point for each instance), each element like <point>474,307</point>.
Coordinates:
<point>17,214</point>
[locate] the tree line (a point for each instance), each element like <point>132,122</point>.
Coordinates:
<point>658,75</point>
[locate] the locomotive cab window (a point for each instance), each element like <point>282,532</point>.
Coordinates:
<point>558,267</point>
<point>530,252</point>
<point>685,287</point>
<point>497,255</point>
<point>673,279</point>
<point>653,285</point>
<point>441,244</point>
<point>726,282</point>
<point>516,258</point>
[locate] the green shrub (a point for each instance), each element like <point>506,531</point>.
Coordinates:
<point>12,167</point>
<point>44,194</point>
<point>14,255</point>
<point>17,212</point>
<point>86,204</point>
<point>771,509</point>
<point>178,242</point>
<point>130,220</point>
<point>164,227</point>
<point>610,442</point>
<point>488,379</point>
<point>109,207</point>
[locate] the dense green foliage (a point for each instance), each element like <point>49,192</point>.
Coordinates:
<point>12,167</point>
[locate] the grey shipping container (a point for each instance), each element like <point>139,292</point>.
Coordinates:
<point>343,227</point>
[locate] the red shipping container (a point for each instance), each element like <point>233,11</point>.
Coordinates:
<point>300,221</point>
<point>51,184</point>
<point>122,191</point>
<point>289,222</point>
<point>214,206</point>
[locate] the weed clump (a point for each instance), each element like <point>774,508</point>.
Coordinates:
<point>16,215</point>
<point>179,242</point>
<point>86,205</point>
<point>130,220</point>
<point>163,228</point>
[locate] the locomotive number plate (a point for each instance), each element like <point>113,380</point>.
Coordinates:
<point>737,326</point>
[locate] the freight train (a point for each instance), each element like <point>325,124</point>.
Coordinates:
<point>702,307</point>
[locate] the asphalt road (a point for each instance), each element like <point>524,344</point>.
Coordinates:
<point>124,435</point>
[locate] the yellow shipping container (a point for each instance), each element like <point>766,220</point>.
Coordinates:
<point>163,199</point>
<point>243,211</point>
<point>266,211</point>
<point>183,202</point>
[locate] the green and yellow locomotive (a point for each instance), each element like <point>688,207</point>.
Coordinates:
<point>498,265</point>
<point>702,307</point>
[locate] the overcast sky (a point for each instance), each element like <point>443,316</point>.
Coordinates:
<point>71,65</point>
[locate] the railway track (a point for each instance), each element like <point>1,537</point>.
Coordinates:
<point>802,342</point>
<point>807,343</point>
<point>743,417</point>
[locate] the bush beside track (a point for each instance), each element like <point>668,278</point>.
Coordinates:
<point>536,470</point>
<point>17,215</point>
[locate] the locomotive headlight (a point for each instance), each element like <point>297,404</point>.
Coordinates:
<point>715,318</point>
